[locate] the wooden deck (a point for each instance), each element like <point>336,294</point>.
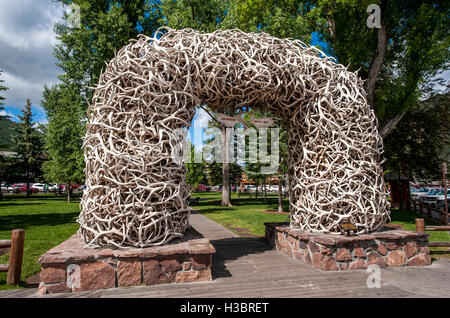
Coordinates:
<point>247,268</point>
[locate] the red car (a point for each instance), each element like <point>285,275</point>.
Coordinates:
<point>202,188</point>
<point>72,187</point>
<point>23,187</point>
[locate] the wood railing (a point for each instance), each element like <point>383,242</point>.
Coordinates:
<point>14,268</point>
<point>420,227</point>
<point>430,211</point>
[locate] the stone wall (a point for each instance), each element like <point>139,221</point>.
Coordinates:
<point>70,267</point>
<point>388,248</point>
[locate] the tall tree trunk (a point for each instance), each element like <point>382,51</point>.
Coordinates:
<point>226,199</point>
<point>387,127</point>
<point>280,194</point>
<point>28,182</point>
<point>257,186</point>
<point>265,190</point>
<point>68,190</point>
<point>377,61</point>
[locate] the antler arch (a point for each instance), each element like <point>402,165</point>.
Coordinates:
<point>136,194</point>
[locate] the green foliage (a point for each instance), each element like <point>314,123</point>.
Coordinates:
<point>64,133</point>
<point>283,19</point>
<point>195,170</point>
<point>417,45</point>
<point>203,15</point>
<point>7,134</point>
<point>2,88</point>
<point>416,145</point>
<point>3,119</point>
<point>28,145</point>
<point>418,48</point>
<point>105,27</point>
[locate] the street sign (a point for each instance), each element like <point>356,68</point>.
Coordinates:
<point>262,122</point>
<point>228,121</point>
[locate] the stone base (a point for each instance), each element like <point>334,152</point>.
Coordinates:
<point>72,267</point>
<point>390,247</point>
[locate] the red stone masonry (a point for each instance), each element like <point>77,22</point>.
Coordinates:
<point>72,267</point>
<point>329,252</point>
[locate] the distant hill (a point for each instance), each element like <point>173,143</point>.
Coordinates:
<point>7,133</point>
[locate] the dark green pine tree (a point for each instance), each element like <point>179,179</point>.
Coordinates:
<point>2,88</point>
<point>3,160</point>
<point>28,146</point>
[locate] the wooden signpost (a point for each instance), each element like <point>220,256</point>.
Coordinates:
<point>14,267</point>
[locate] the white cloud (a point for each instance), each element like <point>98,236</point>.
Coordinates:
<point>202,118</point>
<point>26,48</point>
<point>7,113</point>
<point>28,24</point>
<point>20,89</point>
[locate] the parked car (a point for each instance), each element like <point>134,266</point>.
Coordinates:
<point>274,188</point>
<point>53,187</point>
<point>215,188</point>
<point>40,186</point>
<point>8,188</point>
<point>250,188</point>
<point>72,187</point>
<point>23,187</point>
<point>202,188</point>
<point>431,197</point>
<point>416,193</point>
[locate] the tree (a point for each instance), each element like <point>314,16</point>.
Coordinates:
<point>397,60</point>
<point>2,88</point>
<point>105,27</point>
<point>63,138</point>
<point>419,144</point>
<point>28,147</point>
<point>82,51</point>
<point>3,160</point>
<point>202,15</point>
<point>195,170</point>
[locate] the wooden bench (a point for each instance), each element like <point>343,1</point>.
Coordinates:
<point>14,268</point>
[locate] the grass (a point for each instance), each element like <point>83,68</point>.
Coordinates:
<point>408,218</point>
<point>47,221</point>
<point>247,213</point>
<point>244,214</point>
<point>50,220</point>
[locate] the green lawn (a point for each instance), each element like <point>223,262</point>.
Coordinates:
<point>408,220</point>
<point>247,213</point>
<point>49,220</point>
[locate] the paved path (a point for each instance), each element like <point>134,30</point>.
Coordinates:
<point>244,267</point>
